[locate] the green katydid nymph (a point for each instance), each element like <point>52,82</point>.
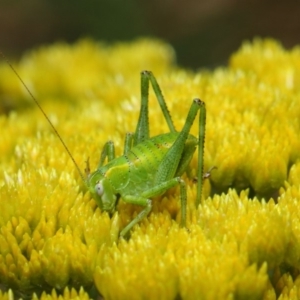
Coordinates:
<point>149,166</point>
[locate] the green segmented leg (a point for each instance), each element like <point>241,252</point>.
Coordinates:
<point>143,200</point>
<point>201,141</point>
<point>169,164</point>
<point>142,128</point>
<point>107,151</point>
<point>128,142</point>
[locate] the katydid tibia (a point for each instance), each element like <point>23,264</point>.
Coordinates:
<point>150,165</point>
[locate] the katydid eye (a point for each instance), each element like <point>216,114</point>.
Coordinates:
<point>99,188</point>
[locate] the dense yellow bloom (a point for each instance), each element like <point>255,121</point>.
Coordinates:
<point>243,240</point>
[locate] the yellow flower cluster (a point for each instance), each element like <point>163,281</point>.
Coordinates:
<point>243,240</point>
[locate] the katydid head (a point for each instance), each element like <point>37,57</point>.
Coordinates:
<point>102,191</point>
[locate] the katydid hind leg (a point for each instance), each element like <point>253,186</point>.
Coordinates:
<point>169,165</point>
<point>161,100</point>
<point>187,155</point>
<point>201,141</point>
<point>142,129</point>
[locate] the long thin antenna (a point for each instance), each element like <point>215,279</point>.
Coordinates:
<point>47,118</point>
